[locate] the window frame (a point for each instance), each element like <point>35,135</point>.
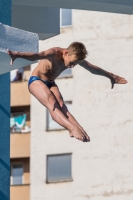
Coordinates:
<point>66,26</point>
<point>58,181</point>
<point>11,176</point>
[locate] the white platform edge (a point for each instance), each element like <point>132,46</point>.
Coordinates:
<point>16,40</point>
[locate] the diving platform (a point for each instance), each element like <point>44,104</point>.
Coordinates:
<point>16,40</point>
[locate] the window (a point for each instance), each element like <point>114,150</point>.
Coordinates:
<point>21,74</point>
<point>66,73</point>
<point>16,75</point>
<point>18,123</point>
<point>17,174</point>
<point>51,124</point>
<point>59,168</point>
<point>65,17</point>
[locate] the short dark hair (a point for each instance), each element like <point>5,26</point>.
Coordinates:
<point>78,49</point>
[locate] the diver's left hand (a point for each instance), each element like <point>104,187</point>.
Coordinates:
<point>13,55</point>
<point>117,80</point>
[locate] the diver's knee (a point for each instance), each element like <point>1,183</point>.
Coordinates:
<point>52,103</point>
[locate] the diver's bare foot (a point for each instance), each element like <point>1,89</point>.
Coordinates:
<point>85,134</point>
<point>78,134</point>
<point>13,56</point>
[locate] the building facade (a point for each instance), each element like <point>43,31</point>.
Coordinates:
<point>20,134</point>
<point>60,167</point>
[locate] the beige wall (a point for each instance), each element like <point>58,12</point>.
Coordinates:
<point>20,95</point>
<point>103,168</point>
<point>20,192</point>
<point>19,145</point>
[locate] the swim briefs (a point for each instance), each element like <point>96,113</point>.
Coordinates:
<point>34,78</point>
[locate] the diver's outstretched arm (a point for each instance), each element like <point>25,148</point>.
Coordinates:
<point>99,71</point>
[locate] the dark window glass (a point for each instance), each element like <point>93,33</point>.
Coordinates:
<point>17,173</point>
<point>59,168</point>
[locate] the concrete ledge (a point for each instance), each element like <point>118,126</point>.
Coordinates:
<point>15,40</point>
<point>41,20</point>
<point>114,6</point>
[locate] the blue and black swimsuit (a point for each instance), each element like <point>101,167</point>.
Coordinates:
<point>34,78</point>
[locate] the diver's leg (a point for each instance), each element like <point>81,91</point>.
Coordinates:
<point>63,107</point>
<point>46,97</point>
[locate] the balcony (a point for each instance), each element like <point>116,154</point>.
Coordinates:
<point>20,192</point>
<point>20,95</point>
<point>20,179</point>
<point>19,145</point>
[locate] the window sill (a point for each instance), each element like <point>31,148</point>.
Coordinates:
<point>67,26</point>
<point>20,132</point>
<point>28,184</point>
<point>51,130</point>
<point>59,181</point>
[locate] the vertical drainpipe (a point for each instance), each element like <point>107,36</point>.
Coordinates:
<point>5,18</point>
